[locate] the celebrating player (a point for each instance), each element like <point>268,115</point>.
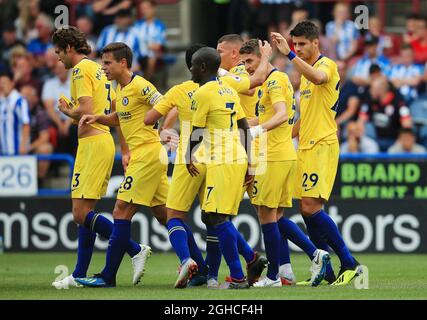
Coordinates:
<point>180,199</point>
<point>91,93</point>
<point>273,184</point>
<point>145,182</point>
<point>218,112</point>
<point>318,150</point>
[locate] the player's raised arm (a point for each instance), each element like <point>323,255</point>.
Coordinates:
<point>316,76</point>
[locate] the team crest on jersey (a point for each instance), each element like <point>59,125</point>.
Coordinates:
<point>125,101</point>
<point>76,71</point>
<point>259,94</point>
<point>261,108</point>
<point>271,83</point>
<point>146,91</point>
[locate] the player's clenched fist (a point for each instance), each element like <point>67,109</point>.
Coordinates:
<point>280,42</point>
<point>87,119</point>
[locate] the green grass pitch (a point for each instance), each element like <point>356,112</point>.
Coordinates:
<point>29,276</point>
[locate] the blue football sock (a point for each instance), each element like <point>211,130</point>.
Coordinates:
<point>328,230</point>
<point>178,238</point>
<point>320,243</point>
<point>84,251</point>
<point>195,253</point>
<point>227,235</point>
<point>101,225</point>
<point>213,252</point>
<point>284,251</point>
<point>244,249</point>
<point>118,243</point>
<point>272,248</point>
<point>290,230</point>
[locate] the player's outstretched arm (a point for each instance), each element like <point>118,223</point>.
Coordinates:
<point>295,129</point>
<point>111,120</point>
<point>316,76</point>
<point>195,139</point>
<point>246,141</point>
<point>151,117</point>
<point>261,72</point>
<point>170,119</point>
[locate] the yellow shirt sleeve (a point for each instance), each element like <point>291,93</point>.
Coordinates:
<point>239,83</point>
<point>276,91</point>
<point>326,66</point>
<point>165,105</point>
<point>200,110</point>
<point>150,95</point>
<point>83,83</point>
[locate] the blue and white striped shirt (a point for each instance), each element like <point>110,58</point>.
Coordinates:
<point>361,68</point>
<point>14,114</point>
<point>148,33</point>
<point>111,34</point>
<point>401,71</point>
<point>346,35</point>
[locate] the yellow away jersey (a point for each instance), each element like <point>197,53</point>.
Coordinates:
<point>88,80</point>
<point>318,106</point>
<point>278,88</point>
<point>217,108</point>
<point>248,102</point>
<point>133,102</point>
<point>180,96</point>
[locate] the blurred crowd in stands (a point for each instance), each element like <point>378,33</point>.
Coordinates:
<point>383,99</point>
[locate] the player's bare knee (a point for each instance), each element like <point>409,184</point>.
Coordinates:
<point>123,210</point>
<point>310,206</point>
<point>160,213</point>
<point>216,218</point>
<point>175,214</point>
<point>266,215</point>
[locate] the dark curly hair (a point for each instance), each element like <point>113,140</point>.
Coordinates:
<point>305,29</point>
<point>250,46</point>
<point>73,37</point>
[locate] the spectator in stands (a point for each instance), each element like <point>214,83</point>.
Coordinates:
<point>274,16</point>
<point>85,25</point>
<point>407,76</point>
<point>343,32</point>
<point>50,61</point>
<point>9,40</point>
<point>385,41</point>
<point>325,44</point>
<point>387,111</point>
<point>406,143</point>
<point>64,134</point>
<point>357,141</point>
<point>29,10</point>
<point>419,44</point>
<point>151,35</point>
<point>411,25</point>
<point>121,31</point>
<point>23,73</point>
<point>39,130</point>
<point>349,98</point>
<point>14,119</point>
<point>37,47</point>
<point>360,71</point>
<point>106,10</point>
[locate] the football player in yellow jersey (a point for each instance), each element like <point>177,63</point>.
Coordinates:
<point>145,182</point>
<point>275,174</point>
<point>228,47</point>
<point>180,199</point>
<point>218,114</point>
<point>318,150</point>
<point>91,93</point>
